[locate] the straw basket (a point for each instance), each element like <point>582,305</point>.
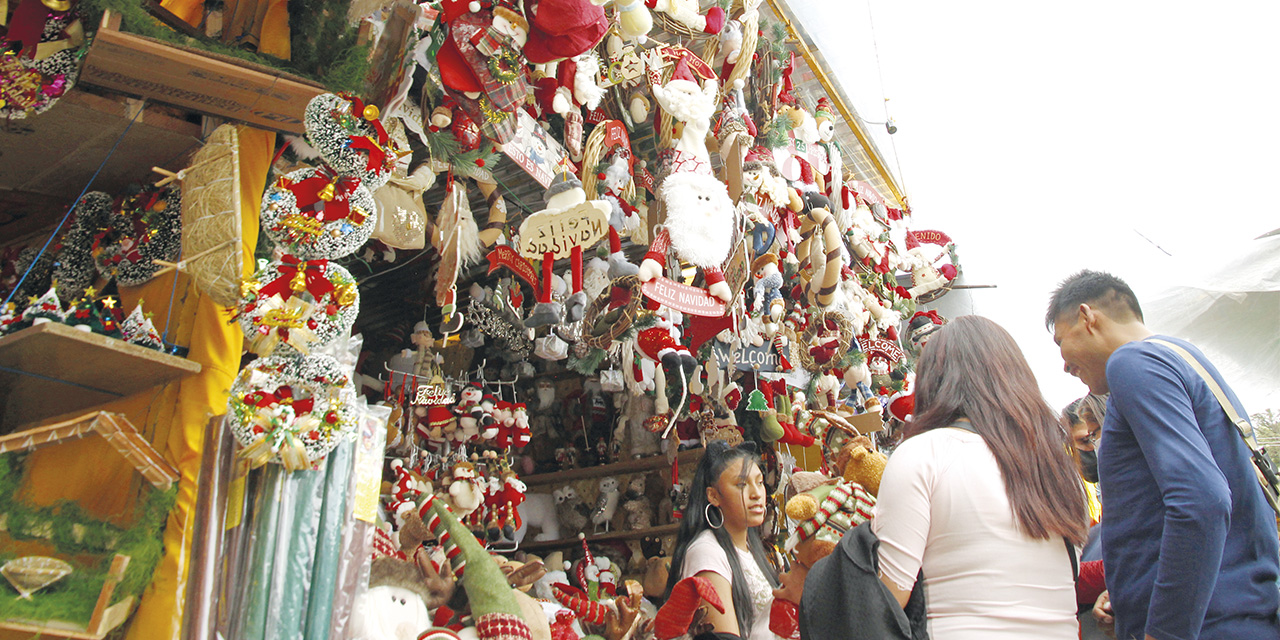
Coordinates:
<point>211,234</point>
<point>817,322</point>
<point>625,319</point>
<point>592,155</point>
<point>750,38</point>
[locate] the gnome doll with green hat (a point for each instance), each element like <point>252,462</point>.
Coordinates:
<point>494,608</point>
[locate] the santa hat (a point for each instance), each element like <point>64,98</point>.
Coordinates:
<point>824,109</point>
<point>562,29</point>
<point>439,416</point>
<point>902,406</point>
<point>762,260</point>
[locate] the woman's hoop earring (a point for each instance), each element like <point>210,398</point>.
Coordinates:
<point>707,513</point>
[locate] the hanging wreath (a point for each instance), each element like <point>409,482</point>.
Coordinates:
<point>318,214</point>
<point>291,410</point>
<point>39,56</point>
<point>293,306</point>
<point>140,229</point>
<point>824,342</point>
<point>348,133</point>
<point>75,268</point>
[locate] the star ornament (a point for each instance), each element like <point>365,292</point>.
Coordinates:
<point>109,302</point>
<point>90,292</point>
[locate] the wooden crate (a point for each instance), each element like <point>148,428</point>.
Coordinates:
<point>201,81</point>
<point>51,369</point>
<point>104,620</point>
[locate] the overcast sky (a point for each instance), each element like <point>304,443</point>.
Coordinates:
<point>1047,138</point>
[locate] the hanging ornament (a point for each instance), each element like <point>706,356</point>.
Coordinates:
<point>294,305</point>
<point>141,228</point>
<point>318,214</point>
<point>39,55</point>
<point>351,138</point>
<point>756,401</point>
<point>291,411</point>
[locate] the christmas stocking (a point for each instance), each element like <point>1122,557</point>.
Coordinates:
<point>676,615</point>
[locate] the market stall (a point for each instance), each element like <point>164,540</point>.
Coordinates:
<point>430,317</point>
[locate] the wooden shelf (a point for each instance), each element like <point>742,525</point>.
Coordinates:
<point>198,80</point>
<point>687,457</point>
<point>52,369</point>
<point>612,536</point>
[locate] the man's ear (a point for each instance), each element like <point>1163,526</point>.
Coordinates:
<point>1090,317</point>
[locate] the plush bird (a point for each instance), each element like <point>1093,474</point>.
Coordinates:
<point>606,503</point>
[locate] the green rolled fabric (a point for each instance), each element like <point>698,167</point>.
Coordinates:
<point>329,545</point>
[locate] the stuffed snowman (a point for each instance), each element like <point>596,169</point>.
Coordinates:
<point>394,607</point>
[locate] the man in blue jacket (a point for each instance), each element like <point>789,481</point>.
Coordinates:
<point>1188,539</point>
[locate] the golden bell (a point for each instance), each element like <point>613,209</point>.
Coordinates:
<point>370,112</point>
<point>299,281</point>
<point>328,192</point>
<point>57,5</point>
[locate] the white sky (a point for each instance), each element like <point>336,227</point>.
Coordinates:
<point>1045,137</point>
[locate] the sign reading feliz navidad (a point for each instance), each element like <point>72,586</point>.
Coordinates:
<point>558,232</point>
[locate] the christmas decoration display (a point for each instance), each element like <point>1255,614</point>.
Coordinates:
<point>292,306</point>
<point>291,411</point>
<point>39,55</point>
<point>318,214</point>
<point>140,229</point>
<point>351,138</point>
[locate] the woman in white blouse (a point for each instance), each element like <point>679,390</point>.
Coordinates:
<point>982,498</point>
<point>719,540</point>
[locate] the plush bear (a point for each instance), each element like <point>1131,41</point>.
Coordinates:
<point>637,506</point>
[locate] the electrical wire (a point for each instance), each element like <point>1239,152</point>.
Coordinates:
<point>875,45</point>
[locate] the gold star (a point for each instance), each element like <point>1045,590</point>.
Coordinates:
<point>32,300</point>
<point>148,314</point>
<point>109,302</point>
<point>90,292</point>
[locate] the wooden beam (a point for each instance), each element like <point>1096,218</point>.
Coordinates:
<point>783,11</point>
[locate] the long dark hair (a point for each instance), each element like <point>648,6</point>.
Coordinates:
<point>973,369</point>
<point>718,456</point>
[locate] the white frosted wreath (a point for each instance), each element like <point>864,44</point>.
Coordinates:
<point>351,138</point>
<point>140,230</point>
<point>74,268</point>
<point>284,313</point>
<point>337,216</point>
<point>291,410</point>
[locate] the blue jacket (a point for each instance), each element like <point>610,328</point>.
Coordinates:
<point>1189,541</point>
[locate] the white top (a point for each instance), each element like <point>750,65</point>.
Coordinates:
<point>943,507</point>
<point>705,554</point>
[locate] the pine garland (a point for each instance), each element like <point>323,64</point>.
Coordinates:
<point>588,364</point>
<point>74,533</point>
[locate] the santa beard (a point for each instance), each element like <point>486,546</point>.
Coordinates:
<point>546,397</point>
<point>699,217</point>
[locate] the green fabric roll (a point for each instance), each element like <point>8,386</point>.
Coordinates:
<point>329,547</point>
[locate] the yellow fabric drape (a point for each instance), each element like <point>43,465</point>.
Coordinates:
<point>267,21</point>
<point>172,417</point>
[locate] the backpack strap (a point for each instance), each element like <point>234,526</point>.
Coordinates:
<point>1261,463</point>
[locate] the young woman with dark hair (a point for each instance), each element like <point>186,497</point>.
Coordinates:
<point>982,498</point>
<point>719,539</point>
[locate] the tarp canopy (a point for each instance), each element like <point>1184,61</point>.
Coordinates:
<point>1232,313</point>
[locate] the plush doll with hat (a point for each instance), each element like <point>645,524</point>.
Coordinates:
<point>825,509</point>
<point>686,13</point>
<point>481,59</point>
<point>859,462</point>
<point>700,214</point>
<point>490,598</point>
<point>922,326</point>
<point>768,291</point>
<point>396,605</point>
<point>560,29</point>
<point>925,277</point>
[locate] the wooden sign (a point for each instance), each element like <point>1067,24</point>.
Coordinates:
<point>559,232</point>
<point>683,298</point>
<point>536,152</point>
<point>737,269</point>
<point>504,256</point>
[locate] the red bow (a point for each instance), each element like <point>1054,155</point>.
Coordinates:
<point>931,315</point>
<point>282,395</point>
<point>375,148</point>
<point>307,194</point>
<point>316,283</point>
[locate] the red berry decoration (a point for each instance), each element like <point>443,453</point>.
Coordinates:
<point>312,324</point>
<point>257,430</point>
<point>479,162</point>
<point>331,417</point>
<point>314,435</point>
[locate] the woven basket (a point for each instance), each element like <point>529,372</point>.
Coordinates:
<point>750,38</point>
<point>625,320</point>
<point>592,155</point>
<point>816,324</point>
<point>211,233</point>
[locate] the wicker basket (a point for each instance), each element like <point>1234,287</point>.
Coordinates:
<point>625,319</point>
<point>592,155</point>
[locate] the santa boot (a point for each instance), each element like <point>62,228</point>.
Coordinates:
<point>544,313</point>
<point>575,306</point>
<point>618,265</point>
<point>770,429</point>
<point>786,417</point>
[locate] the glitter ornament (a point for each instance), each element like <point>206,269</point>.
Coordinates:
<point>317,214</point>
<point>291,410</point>
<point>35,76</point>
<point>293,306</point>
<point>351,138</point>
